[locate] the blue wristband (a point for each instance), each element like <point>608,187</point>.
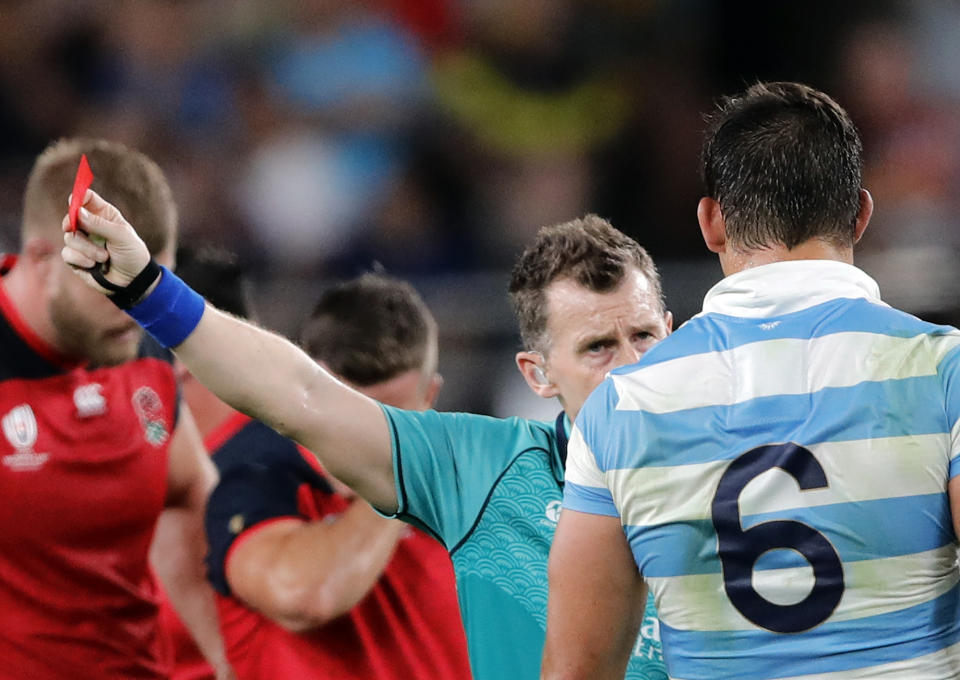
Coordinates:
<point>171,311</point>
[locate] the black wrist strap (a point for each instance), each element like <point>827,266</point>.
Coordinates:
<point>97,272</point>
<point>127,296</point>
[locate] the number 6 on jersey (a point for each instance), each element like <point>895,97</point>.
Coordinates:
<point>740,548</point>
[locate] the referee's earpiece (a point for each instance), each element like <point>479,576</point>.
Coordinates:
<point>540,376</point>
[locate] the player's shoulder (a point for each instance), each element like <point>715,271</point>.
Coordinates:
<point>937,344</point>
<point>892,321</point>
<point>597,416</point>
<point>472,427</point>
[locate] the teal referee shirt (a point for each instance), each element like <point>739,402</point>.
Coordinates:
<point>490,490</point>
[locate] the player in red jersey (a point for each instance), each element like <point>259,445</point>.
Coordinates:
<point>316,584</point>
<point>93,451</point>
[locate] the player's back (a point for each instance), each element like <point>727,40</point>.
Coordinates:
<point>782,482</point>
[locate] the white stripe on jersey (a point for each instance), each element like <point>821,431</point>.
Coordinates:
<point>779,367</point>
<point>583,470</point>
<point>698,601</point>
<point>858,470</point>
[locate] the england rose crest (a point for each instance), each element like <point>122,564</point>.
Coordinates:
<point>149,408</point>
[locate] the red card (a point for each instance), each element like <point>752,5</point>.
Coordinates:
<point>80,185</point>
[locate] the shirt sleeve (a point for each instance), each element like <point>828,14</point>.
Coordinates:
<point>447,464</point>
<point>261,476</point>
<point>949,371</point>
<point>585,488</point>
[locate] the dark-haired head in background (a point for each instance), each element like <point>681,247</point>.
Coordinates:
<point>218,275</point>
<point>375,329</point>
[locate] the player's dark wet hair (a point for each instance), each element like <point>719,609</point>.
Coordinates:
<point>371,329</point>
<point>783,160</point>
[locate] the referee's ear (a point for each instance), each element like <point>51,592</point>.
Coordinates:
<point>533,370</point>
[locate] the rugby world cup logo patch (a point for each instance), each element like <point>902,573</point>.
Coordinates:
<point>149,408</point>
<point>20,427</point>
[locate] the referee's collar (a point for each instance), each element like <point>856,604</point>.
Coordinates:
<point>786,287</point>
<point>562,426</point>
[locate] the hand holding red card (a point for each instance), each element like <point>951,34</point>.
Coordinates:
<point>80,185</point>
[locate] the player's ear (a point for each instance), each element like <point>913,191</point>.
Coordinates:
<point>42,256</point>
<point>433,390</point>
<point>533,369</point>
<point>712,225</point>
<point>37,248</point>
<point>863,215</point>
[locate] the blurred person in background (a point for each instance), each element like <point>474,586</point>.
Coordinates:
<point>911,134</point>
<point>588,299</point>
<point>346,83</point>
<point>99,456</point>
<point>314,583</point>
<point>528,103</point>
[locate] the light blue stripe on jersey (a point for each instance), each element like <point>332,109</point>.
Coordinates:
<point>913,406</point>
<point>714,332</point>
<point>859,531</point>
<point>593,500</point>
<point>949,373</point>
<point>833,646</point>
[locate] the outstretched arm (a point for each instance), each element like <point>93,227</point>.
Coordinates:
<point>253,370</point>
<point>597,599</point>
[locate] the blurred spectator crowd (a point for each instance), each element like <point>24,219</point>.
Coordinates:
<point>317,137</point>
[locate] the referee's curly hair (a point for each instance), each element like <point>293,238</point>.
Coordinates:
<point>588,250</point>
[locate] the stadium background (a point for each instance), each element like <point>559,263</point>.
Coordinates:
<point>317,137</point>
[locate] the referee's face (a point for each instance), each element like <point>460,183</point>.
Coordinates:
<point>591,333</point>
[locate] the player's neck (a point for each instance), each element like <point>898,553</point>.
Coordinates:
<point>734,260</point>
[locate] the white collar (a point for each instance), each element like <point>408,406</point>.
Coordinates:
<point>785,287</point>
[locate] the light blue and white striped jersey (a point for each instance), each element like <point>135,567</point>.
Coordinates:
<point>780,467</point>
